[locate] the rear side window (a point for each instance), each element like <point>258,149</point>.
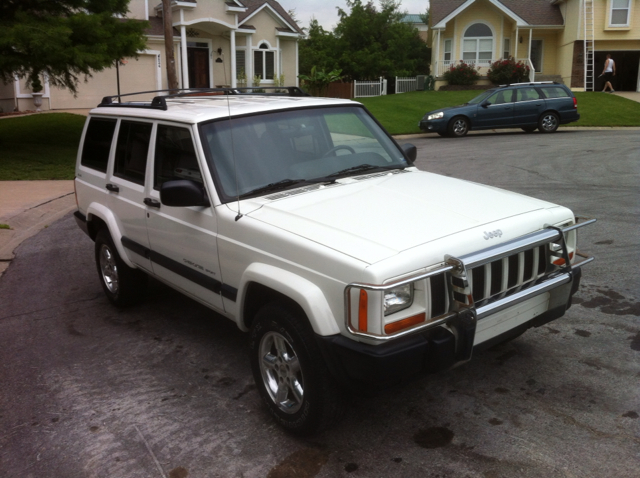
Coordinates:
<point>97,143</point>
<point>555,92</point>
<point>175,156</point>
<point>527,94</point>
<point>131,151</point>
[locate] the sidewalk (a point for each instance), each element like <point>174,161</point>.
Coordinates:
<point>27,207</point>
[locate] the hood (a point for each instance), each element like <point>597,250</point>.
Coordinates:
<point>374,219</point>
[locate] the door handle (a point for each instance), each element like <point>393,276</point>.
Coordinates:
<point>112,188</point>
<point>152,202</point>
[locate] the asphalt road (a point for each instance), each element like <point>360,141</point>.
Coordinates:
<point>164,389</point>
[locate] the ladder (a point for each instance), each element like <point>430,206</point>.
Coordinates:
<point>589,53</point>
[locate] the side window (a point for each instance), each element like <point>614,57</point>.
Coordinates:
<point>175,156</point>
<point>131,151</point>
<point>554,92</point>
<point>501,97</point>
<point>97,143</point>
<point>527,94</point>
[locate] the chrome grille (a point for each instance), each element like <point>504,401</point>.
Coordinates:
<point>501,278</point>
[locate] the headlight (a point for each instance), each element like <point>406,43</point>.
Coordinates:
<point>398,298</point>
<point>437,115</point>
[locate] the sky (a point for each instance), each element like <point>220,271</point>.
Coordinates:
<point>327,15</point>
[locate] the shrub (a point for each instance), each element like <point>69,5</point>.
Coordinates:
<point>508,71</point>
<point>461,74</point>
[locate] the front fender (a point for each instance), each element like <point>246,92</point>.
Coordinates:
<point>105,214</point>
<point>305,293</point>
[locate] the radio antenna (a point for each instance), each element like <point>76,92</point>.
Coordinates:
<point>233,156</point>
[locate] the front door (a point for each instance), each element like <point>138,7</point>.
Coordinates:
<point>536,55</point>
<point>183,240</point>
<point>495,111</point>
<point>198,59</point>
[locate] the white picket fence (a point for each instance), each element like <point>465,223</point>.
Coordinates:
<point>362,89</point>
<point>406,84</point>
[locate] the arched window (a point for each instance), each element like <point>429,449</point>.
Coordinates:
<point>477,45</point>
<point>264,62</point>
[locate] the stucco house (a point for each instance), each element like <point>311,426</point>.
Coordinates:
<point>561,40</point>
<point>217,43</point>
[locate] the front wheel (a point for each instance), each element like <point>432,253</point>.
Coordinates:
<point>548,122</point>
<point>458,127</point>
<point>121,284</point>
<point>290,373</point>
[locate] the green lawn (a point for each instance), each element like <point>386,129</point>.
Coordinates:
<point>400,113</point>
<point>41,146</point>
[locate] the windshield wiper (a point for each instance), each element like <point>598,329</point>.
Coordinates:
<point>273,186</point>
<point>361,167</point>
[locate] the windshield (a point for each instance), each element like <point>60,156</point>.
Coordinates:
<point>481,97</point>
<point>252,155</point>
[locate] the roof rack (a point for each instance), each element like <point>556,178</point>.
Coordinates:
<point>159,102</point>
<point>531,83</point>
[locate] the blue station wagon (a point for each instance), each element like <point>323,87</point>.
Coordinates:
<point>538,105</point>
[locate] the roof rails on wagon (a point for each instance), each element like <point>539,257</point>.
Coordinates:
<point>532,83</point>
<point>159,102</point>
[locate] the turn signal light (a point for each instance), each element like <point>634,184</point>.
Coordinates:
<point>560,262</point>
<point>363,311</point>
<point>394,327</point>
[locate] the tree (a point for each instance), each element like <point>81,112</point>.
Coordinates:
<point>367,43</point>
<point>65,39</point>
<point>167,19</point>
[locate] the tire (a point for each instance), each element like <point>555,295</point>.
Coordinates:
<point>121,284</point>
<point>458,127</point>
<point>290,373</point>
<point>548,122</point>
<point>529,129</point>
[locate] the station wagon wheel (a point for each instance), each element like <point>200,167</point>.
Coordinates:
<point>548,122</point>
<point>290,373</point>
<point>459,126</point>
<point>121,284</point>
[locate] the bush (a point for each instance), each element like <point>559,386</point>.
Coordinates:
<point>508,71</point>
<point>461,74</point>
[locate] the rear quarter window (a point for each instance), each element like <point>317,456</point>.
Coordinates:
<point>555,92</point>
<point>97,143</point>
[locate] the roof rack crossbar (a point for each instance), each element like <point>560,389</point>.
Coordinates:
<point>159,102</point>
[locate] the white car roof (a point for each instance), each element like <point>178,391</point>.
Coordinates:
<point>193,109</point>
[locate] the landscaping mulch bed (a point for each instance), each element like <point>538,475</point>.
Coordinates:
<point>464,87</point>
<point>17,113</point>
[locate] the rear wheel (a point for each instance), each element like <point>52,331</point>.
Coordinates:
<point>548,122</point>
<point>122,284</point>
<point>458,127</point>
<point>290,373</point>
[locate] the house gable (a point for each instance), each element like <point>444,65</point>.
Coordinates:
<point>524,13</point>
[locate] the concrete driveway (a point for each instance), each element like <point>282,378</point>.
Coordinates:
<point>164,389</point>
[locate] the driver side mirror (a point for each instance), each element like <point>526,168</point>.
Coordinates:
<point>183,193</point>
<point>485,104</point>
<point>410,151</point>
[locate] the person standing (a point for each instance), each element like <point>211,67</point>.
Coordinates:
<point>609,72</point>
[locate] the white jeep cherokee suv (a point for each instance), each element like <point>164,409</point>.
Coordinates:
<point>304,222</point>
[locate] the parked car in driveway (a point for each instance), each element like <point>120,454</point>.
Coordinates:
<point>293,217</point>
<point>538,105</point>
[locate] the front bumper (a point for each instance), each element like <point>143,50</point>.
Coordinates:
<point>434,126</point>
<point>450,338</point>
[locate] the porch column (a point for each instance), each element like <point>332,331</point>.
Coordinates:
<point>249,61</point>
<point>232,40</point>
<point>438,55</point>
<point>298,65</point>
<point>185,62</point>
<point>530,42</point>
<point>517,42</point>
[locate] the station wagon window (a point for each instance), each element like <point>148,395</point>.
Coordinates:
<point>175,156</point>
<point>527,94</point>
<point>620,12</point>
<point>555,92</point>
<point>131,151</point>
<point>97,143</point>
<point>501,97</point>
